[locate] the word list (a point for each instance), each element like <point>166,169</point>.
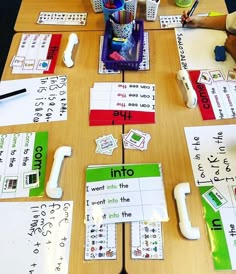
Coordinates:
<point>23,159</point>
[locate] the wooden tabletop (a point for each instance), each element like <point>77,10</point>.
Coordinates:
<point>29,12</point>
<point>77,133</point>
<point>167,146</point>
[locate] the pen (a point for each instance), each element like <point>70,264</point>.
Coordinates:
<point>190,13</point>
<point>13,93</point>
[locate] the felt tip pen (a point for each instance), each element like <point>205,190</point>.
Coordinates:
<point>190,13</point>
<point>13,93</point>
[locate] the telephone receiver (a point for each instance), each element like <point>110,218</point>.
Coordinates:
<point>67,56</point>
<point>52,189</point>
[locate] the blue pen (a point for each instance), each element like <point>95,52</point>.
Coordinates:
<point>190,13</point>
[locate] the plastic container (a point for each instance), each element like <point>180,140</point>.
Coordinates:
<point>183,3</point>
<point>152,9</point>
<point>137,35</point>
<point>131,6</point>
<point>123,25</point>
<point>97,5</point>
<point>119,4</point>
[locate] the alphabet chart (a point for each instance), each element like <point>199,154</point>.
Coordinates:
<point>213,157</point>
<point>35,237</point>
<point>62,18</point>
<point>122,103</point>
<point>37,53</point>
<point>23,159</point>
<point>216,95</point>
<point>170,21</point>
<point>44,100</point>
<point>147,240</point>
<point>100,242</point>
<point>125,193</point>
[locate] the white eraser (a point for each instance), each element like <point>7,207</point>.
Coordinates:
<point>191,97</point>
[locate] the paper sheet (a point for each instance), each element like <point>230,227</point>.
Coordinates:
<point>45,100</point>
<point>212,151</point>
<point>196,49</point>
<point>35,237</point>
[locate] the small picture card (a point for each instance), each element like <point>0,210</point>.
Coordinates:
<point>205,78</point>
<point>106,144</point>
<point>17,61</point>
<point>31,179</point>
<point>231,75</point>
<point>216,75</point>
<point>136,139</point>
<point>214,198</point>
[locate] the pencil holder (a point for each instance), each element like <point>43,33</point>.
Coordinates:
<point>97,5</point>
<point>111,6</point>
<point>152,9</point>
<point>123,25</point>
<point>131,6</point>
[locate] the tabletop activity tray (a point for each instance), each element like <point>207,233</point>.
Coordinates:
<point>137,35</point>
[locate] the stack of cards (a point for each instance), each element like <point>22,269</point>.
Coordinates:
<point>136,139</point>
<point>121,103</point>
<point>106,144</point>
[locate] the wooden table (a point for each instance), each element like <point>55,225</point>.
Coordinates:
<point>77,133</point>
<point>167,146</point>
<point>29,12</point>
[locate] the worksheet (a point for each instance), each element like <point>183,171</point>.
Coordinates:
<point>34,100</point>
<point>35,237</point>
<point>37,53</point>
<point>215,93</point>
<point>196,49</point>
<point>125,193</point>
<point>23,158</point>
<point>212,151</point>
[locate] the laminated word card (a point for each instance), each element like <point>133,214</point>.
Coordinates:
<point>212,151</point>
<point>37,53</point>
<point>33,100</point>
<point>35,237</point>
<point>23,159</point>
<point>125,193</point>
<point>215,93</point>
<point>122,103</point>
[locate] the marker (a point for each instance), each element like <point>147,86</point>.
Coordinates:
<point>114,19</point>
<point>13,93</point>
<point>190,13</point>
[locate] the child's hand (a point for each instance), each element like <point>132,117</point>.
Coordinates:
<point>192,21</point>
